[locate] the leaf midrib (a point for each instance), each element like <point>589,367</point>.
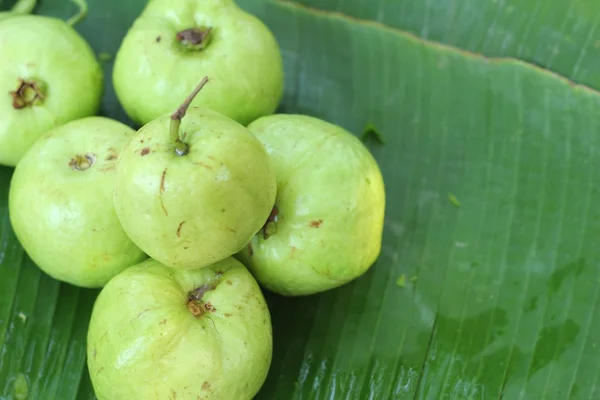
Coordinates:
<point>436,44</point>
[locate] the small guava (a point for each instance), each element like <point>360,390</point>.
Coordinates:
<point>327,224</point>
<point>60,203</point>
<point>163,333</point>
<point>193,191</point>
<point>174,43</point>
<point>49,75</point>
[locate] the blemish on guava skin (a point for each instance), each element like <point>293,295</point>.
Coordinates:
<point>205,385</point>
<point>162,181</point>
<point>179,228</point>
<point>158,39</point>
<point>145,151</point>
<point>161,190</point>
<point>250,250</point>
<point>231,230</point>
<point>173,394</point>
<point>195,309</point>
<point>228,282</point>
<point>316,223</point>
<point>228,315</point>
<point>164,321</point>
<point>210,307</point>
<point>200,163</point>
<point>112,154</point>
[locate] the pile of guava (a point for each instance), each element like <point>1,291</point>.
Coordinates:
<point>182,221</point>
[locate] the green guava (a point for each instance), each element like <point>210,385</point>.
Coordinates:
<point>60,203</point>
<point>48,76</point>
<point>327,224</point>
<point>163,333</point>
<point>174,43</point>
<point>193,191</point>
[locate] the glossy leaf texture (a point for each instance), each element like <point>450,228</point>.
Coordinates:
<point>562,36</point>
<point>488,282</point>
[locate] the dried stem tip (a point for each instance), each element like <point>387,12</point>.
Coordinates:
<point>27,94</point>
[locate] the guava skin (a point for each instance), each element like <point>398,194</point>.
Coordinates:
<point>50,54</point>
<point>144,341</point>
<point>196,209</point>
<point>61,207</point>
<point>330,207</point>
<point>241,58</point>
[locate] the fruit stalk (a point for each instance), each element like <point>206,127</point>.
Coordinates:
<point>180,147</point>
<point>23,6</point>
<point>83,9</point>
<point>19,8</point>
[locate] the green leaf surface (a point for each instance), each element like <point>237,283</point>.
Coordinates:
<point>561,35</point>
<point>500,291</point>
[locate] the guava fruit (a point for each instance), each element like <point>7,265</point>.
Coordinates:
<point>49,75</point>
<point>193,190</point>
<point>327,224</point>
<point>174,43</point>
<point>60,203</point>
<point>163,333</point>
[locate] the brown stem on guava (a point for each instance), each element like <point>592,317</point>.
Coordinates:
<point>270,227</point>
<point>180,147</point>
<point>28,93</point>
<point>82,162</point>
<point>194,38</point>
<point>194,298</point>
